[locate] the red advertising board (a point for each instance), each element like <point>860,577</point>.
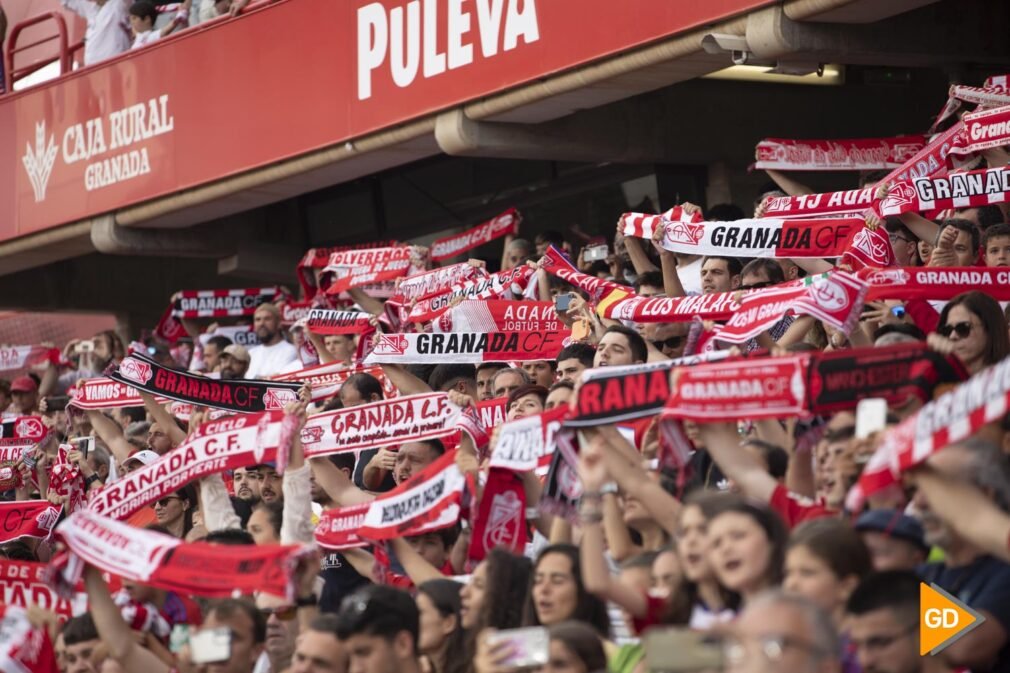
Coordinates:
<point>296,76</point>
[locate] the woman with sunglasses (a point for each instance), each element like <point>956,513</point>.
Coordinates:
<point>174,512</point>
<point>977,330</point>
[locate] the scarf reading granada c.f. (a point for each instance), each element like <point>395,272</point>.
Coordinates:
<point>241,395</point>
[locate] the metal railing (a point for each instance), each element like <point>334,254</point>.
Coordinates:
<point>64,54</point>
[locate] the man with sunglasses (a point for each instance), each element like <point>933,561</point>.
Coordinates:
<point>281,632</point>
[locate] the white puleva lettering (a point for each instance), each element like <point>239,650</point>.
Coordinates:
<point>409,36</point>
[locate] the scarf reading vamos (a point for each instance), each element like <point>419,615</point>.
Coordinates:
<point>436,281</point>
<point>103,393</point>
<point>234,441</point>
<point>502,225</point>
<point>616,394</point>
<point>21,357</point>
<point>24,648</point>
<point>469,347</point>
<point>27,518</point>
<point>221,303</point>
<point>499,315</point>
<point>504,284</point>
<point>387,422</point>
<point>199,568</point>
<point>956,190</point>
<point>950,418</point>
<point>419,504</point>
<point>328,322</point>
<point>558,265</point>
<point>240,395</point>
<point>835,299</point>
<point>355,268</point>
<point>836,155</point>
<point>768,237</point>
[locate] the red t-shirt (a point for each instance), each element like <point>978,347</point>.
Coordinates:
<point>404,582</point>
<point>795,509</point>
<point>655,607</point>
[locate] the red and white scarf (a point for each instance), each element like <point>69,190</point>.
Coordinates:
<point>13,358</point>
<point>24,648</point>
<point>293,311</point>
<point>956,190</point>
<point>318,258</point>
<point>864,154</point>
<point>504,284</point>
<point>643,225</point>
<point>950,418</point>
<point>936,282</point>
<point>436,281</point>
<point>492,412</point>
<point>558,265</point>
<point>835,299</point>
<point>930,160</point>
<point>166,562</point>
<point>728,391</point>
<point>27,518</point>
<point>427,501</point>
<point>992,93</point>
<point>169,328</point>
<point>500,520</point>
<point>326,379</point>
<point>355,268</point>
<point>328,322</point>
<point>338,528</point>
<point>528,443</point>
<point>222,303</point>
<point>499,315</point>
<point>768,237</point>
<point>983,130</point>
<point>23,583</point>
<point>456,244</point>
<point>469,347</point>
<point>234,441</point>
<point>831,203</point>
<point>385,423</point>
<point>11,453</point>
<point>104,393</point>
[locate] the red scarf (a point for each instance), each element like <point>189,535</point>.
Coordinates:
<point>456,244</point>
<point>338,528</point>
<point>558,265</point>
<point>832,203</point>
<point>956,190</point>
<point>13,358</point>
<point>471,347</point>
<point>829,237</point>
<point>355,268</point>
<point>169,563</point>
<point>930,160</point>
<point>504,284</point>
<point>427,501</point>
<point>23,647</point>
<point>293,311</point>
<point>235,441</point>
<point>865,154</point>
<point>501,519</point>
<point>23,583</point>
<point>936,282</point>
<point>642,225</point>
<point>317,258</point>
<point>499,315</point>
<point>492,412</point>
<point>983,130</point>
<point>169,328</point>
<point>527,444</point>
<point>328,322</point>
<point>27,518</point>
<point>222,303</point>
<point>836,300</point>
<point>327,379</point>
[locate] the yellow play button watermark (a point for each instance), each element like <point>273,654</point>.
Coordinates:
<point>942,619</point>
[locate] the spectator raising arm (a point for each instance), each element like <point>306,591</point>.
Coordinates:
<point>112,434</point>
<point>722,442</point>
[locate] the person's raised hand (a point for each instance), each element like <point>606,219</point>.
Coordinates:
<point>943,253</point>
<point>384,459</point>
<point>492,657</point>
<point>460,399</point>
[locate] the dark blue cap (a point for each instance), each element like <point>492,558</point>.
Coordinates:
<point>894,523</point>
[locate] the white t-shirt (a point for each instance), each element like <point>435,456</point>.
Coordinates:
<point>265,361</point>
<point>690,277</point>
<point>150,37</point>
<point>108,31</point>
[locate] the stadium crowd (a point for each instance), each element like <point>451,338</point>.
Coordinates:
<point>444,472</point>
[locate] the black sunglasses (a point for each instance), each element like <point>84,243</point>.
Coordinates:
<point>963,329</point>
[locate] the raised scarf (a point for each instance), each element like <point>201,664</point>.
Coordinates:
<point>456,244</point>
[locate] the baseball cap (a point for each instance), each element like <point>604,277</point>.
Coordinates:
<point>238,352</point>
<point>24,384</point>
<point>893,523</point>
<point>144,457</point>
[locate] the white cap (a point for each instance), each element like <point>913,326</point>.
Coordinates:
<point>145,457</point>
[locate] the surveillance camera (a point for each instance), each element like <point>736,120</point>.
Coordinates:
<point>718,43</point>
